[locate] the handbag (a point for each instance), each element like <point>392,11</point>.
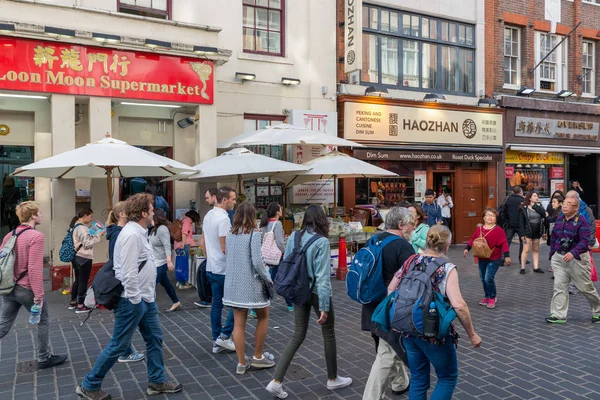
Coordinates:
<point>268,287</point>
<point>594,274</point>
<point>270,252</point>
<point>381,315</point>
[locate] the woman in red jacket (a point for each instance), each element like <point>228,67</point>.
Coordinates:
<point>488,267</point>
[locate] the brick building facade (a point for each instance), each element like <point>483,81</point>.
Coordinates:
<point>550,139</point>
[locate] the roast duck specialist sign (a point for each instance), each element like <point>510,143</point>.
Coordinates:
<point>385,123</point>
<point>36,66</point>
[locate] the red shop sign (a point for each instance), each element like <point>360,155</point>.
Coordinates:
<point>36,66</point>
<point>556,172</point>
<point>509,172</point>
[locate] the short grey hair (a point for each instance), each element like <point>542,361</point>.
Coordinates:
<point>398,216</point>
<point>573,194</point>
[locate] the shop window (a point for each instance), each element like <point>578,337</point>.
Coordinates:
<point>551,75</point>
<point>511,57</point>
<point>263,26</point>
<point>160,9</point>
<point>588,68</point>
<point>263,191</point>
<point>415,52</point>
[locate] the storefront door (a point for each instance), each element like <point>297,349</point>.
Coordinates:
<point>470,209</point>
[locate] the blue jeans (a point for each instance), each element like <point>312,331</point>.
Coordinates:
<point>420,355</point>
<point>273,272</point>
<point>217,285</point>
<point>163,279</point>
<point>487,273</point>
<point>128,317</point>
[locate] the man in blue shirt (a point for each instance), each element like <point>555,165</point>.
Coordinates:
<point>433,212</point>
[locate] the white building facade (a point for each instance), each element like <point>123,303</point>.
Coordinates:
<point>92,68</point>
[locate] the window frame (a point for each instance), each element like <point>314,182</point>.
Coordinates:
<point>561,63</point>
<point>168,13</point>
<point>435,25</point>
<point>592,72</point>
<point>516,85</point>
<point>281,31</point>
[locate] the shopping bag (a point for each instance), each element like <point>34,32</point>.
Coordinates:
<point>594,273</point>
<point>182,269</point>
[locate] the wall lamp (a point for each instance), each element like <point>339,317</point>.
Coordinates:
<point>106,38</point>
<point>525,91</point>
<point>7,28</point>
<point>435,97</point>
<point>563,94</point>
<point>245,76</point>
<point>59,32</point>
<point>290,81</point>
<point>205,50</point>
<point>187,122</point>
<point>154,44</point>
<point>487,102</point>
<point>373,91</point>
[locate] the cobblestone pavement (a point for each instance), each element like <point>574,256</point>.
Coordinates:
<point>522,357</point>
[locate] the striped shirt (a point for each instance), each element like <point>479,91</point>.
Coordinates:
<point>29,256</point>
<point>577,229</point>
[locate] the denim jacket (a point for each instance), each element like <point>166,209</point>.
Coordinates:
<point>318,258</point>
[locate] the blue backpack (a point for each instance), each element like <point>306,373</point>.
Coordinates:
<point>364,281</point>
<point>291,281</point>
<point>67,251</point>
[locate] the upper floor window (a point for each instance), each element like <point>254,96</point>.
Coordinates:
<point>592,1</point>
<point>588,68</point>
<point>264,27</point>
<point>551,75</point>
<point>147,8</point>
<point>417,52</point>
<point>511,56</point>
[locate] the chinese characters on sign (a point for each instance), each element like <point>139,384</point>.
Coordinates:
<point>383,123</point>
<point>556,128</point>
<point>81,70</point>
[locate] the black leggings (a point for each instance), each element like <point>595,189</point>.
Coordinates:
<point>82,268</point>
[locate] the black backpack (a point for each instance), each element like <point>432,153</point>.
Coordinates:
<point>291,281</point>
<point>107,288</point>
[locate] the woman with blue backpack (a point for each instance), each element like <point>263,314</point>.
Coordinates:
<point>423,351</point>
<point>315,233</point>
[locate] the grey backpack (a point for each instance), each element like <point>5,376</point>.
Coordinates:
<point>413,296</point>
<point>7,264</point>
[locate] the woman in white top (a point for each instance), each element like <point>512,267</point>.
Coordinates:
<point>160,239</point>
<point>445,202</point>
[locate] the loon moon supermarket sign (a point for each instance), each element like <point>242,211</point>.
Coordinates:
<point>36,66</point>
<point>382,123</point>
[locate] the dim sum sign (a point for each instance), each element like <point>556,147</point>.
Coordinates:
<point>34,66</point>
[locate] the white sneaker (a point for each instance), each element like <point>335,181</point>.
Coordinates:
<point>339,383</point>
<point>276,389</point>
<point>218,349</point>
<point>226,343</point>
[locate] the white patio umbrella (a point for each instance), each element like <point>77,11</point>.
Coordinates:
<point>334,165</point>
<point>233,165</point>
<point>110,158</point>
<point>285,134</point>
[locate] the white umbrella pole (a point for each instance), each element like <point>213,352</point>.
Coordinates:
<point>109,187</point>
<point>334,196</point>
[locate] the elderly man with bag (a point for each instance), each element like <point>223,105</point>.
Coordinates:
<point>569,253</point>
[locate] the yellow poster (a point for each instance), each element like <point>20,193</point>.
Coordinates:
<point>517,157</point>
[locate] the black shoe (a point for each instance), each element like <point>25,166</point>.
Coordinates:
<point>522,272</point>
<point>165,387</point>
<point>52,361</point>
<point>538,270</point>
<point>400,392</point>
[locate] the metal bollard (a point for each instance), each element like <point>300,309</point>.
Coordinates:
<point>342,269</point>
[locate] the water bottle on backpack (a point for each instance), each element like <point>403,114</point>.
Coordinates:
<point>430,325</point>
<point>35,314</point>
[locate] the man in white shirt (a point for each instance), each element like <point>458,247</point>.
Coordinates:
<point>134,267</point>
<point>215,228</point>
<point>445,202</point>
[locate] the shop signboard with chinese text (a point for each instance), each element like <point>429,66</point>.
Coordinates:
<point>519,157</point>
<point>320,191</point>
<point>509,172</point>
<point>556,172</point>
<point>352,35</point>
<point>386,123</point>
<point>36,66</point>
<point>556,128</point>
